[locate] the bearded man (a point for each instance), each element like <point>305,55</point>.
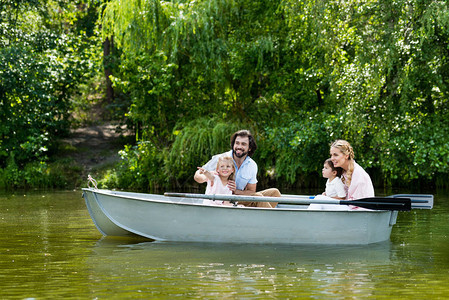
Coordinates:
<point>243,146</point>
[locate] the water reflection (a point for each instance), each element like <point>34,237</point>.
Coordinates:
<point>206,269</point>
<point>242,253</point>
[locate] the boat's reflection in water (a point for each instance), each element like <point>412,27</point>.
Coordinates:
<point>208,268</point>
<point>167,252</point>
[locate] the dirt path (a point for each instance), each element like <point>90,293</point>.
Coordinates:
<point>96,146</point>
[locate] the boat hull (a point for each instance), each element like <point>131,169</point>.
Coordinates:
<point>181,219</point>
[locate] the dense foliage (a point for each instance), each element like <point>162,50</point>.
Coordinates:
<point>186,74</point>
<point>46,52</point>
<point>300,73</point>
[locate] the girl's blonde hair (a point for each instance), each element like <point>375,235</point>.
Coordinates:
<point>227,159</point>
<point>346,149</point>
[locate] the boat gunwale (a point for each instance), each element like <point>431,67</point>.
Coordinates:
<point>120,194</point>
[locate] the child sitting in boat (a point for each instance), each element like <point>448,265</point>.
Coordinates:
<point>217,183</point>
<point>335,188</point>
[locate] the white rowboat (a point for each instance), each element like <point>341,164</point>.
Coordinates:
<point>174,218</point>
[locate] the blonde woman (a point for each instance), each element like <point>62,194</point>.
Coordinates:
<point>357,182</point>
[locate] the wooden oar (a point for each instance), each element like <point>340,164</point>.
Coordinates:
<point>378,203</point>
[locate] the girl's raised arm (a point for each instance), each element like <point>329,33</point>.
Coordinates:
<point>207,175</point>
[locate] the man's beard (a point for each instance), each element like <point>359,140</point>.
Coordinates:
<point>241,154</point>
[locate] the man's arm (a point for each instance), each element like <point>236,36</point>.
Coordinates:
<point>250,189</point>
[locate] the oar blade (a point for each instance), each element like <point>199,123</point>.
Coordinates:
<point>419,201</point>
<point>399,204</point>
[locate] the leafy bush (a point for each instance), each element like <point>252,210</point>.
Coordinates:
<point>195,144</point>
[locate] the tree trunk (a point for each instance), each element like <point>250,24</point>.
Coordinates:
<point>108,45</point>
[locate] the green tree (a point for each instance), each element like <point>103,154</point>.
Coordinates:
<point>46,52</point>
<point>300,73</point>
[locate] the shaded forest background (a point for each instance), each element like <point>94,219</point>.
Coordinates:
<point>182,76</point>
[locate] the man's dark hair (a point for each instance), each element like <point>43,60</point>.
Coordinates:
<point>244,133</point>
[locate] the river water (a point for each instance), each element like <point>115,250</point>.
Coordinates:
<point>50,248</point>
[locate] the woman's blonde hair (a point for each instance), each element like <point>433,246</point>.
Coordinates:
<point>346,149</point>
<point>227,159</point>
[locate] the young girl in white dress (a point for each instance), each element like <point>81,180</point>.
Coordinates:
<point>217,183</point>
<point>335,188</point>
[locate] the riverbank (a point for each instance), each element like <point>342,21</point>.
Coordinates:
<point>95,148</point>
<point>92,149</point>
